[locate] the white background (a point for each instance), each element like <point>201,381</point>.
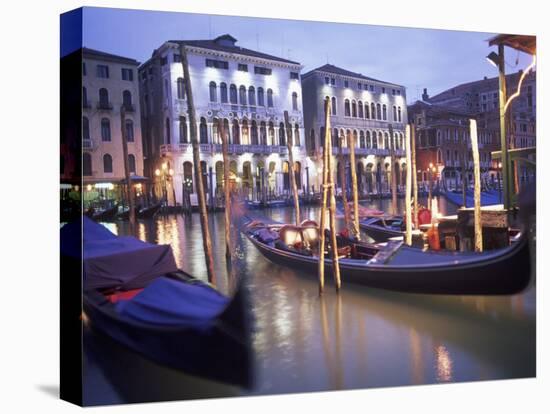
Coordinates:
<point>29,133</point>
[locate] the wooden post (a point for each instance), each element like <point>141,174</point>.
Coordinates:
<point>129,192</point>
<point>291,172</point>
<point>355,222</point>
<point>324,188</point>
<point>464,175</point>
<point>393,172</point>
<point>226,189</point>
<point>478,236</point>
<point>206,241</point>
<point>342,174</point>
<point>408,218</point>
<point>332,220</point>
<point>412,143</point>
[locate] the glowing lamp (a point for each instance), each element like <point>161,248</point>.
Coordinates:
<point>493,59</point>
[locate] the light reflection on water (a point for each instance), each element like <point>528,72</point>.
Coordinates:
<point>362,337</point>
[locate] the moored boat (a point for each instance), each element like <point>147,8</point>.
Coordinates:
<point>395,266</point>
<point>134,293</point>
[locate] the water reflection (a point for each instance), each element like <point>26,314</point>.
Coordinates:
<point>362,337</point>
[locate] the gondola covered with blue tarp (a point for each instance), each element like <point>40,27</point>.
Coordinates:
<point>134,292</point>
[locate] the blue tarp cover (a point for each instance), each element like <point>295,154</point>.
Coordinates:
<point>112,262</point>
<point>169,302</point>
<point>488,198</point>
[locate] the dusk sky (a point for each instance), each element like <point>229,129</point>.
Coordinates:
<point>415,58</point>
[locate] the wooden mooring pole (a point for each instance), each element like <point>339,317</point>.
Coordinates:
<point>291,172</point>
<point>342,174</point>
<point>226,189</point>
<point>206,240</point>
<point>478,236</point>
<point>129,192</point>
<point>324,189</point>
<point>412,143</point>
<point>355,223</point>
<point>408,213</point>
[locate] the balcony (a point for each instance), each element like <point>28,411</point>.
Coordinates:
<point>233,149</point>
<point>86,104</point>
<point>129,107</point>
<point>87,144</point>
<point>105,106</point>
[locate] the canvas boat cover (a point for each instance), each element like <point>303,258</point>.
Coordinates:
<point>112,262</point>
<point>169,302</point>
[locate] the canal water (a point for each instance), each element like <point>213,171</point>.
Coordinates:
<point>360,338</point>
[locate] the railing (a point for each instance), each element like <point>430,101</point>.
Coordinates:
<point>129,107</point>
<point>105,106</point>
<point>86,104</point>
<point>367,151</point>
<point>87,144</point>
<point>234,149</point>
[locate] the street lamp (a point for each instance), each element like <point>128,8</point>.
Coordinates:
<point>493,59</point>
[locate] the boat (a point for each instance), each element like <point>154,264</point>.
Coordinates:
<point>383,228</point>
<point>142,213</point>
<point>393,265</point>
<point>487,198</point>
<point>134,293</point>
<point>108,214</point>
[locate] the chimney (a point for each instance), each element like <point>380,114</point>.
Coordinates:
<point>425,95</point>
<point>485,78</point>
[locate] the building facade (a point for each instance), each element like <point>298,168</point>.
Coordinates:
<point>249,91</point>
<point>480,99</point>
<point>443,141</point>
<point>373,111</point>
<point>108,83</point>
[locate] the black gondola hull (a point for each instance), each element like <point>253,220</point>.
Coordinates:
<point>219,353</point>
<point>503,273</point>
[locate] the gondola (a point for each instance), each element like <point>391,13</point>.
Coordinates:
<point>142,213</point>
<point>383,228</point>
<point>134,293</point>
<point>394,266</point>
<point>108,214</point>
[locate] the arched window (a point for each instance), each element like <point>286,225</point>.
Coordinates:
<point>105,129</point>
<point>334,138</point>
<point>361,138</point>
<point>107,163</point>
<point>223,92</point>
<point>261,97</point>
<point>254,133</point>
<point>380,140</point>
<point>354,109</point>
<point>242,94</point>
<point>368,139</point>
<point>333,105</point>
<point>294,101</point>
<point>86,164</point>
<point>85,128</point>
<point>213,92</point>
<point>183,130</point>
<point>104,99</point>
<point>167,131</point>
<point>438,137</point>
<point>378,112</point>
<point>244,132</point>
<point>129,124</point>
<point>399,114</point>
<point>216,139</point>
<point>251,96</point>
<point>367,112</point>
<point>132,163</point>
<point>322,136</point>
<point>236,132</point>
<point>386,141</point>
<point>296,135</point>
<point>395,113</point>
<point>384,112</point>
<point>127,100</point>
<point>188,176</point>
<point>271,134</point>
<point>181,88</point>
<point>84,97</point>
<point>203,132</point>
<point>372,111</point>
<point>233,94</point>
<point>263,134</point>
<point>269,98</point>
<point>360,109</point>
<point>347,110</point>
<point>282,140</point>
